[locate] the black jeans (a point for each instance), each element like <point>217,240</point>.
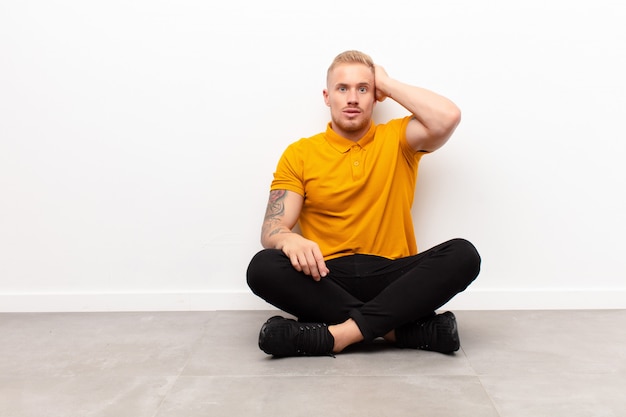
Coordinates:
<point>379,294</point>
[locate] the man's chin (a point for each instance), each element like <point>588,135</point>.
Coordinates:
<point>352,125</point>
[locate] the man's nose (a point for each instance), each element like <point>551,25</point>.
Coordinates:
<point>353,97</point>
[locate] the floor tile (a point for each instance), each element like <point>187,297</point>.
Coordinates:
<point>558,395</point>
<point>82,396</point>
<point>544,342</point>
<point>137,344</point>
<point>328,396</point>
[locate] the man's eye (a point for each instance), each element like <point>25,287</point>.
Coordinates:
<point>342,89</point>
<point>363,90</point>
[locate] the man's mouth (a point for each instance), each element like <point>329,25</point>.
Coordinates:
<point>351,111</point>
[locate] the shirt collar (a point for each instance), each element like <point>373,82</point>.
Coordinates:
<point>342,144</point>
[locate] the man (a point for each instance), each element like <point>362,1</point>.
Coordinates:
<point>352,273</point>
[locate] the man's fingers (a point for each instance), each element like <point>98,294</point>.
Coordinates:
<point>319,262</point>
<point>311,266</point>
<point>300,264</point>
<point>310,262</point>
<point>304,265</point>
<point>307,264</point>
<point>295,262</point>
<point>321,266</point>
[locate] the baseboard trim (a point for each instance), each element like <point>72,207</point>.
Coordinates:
<point>244,300</point>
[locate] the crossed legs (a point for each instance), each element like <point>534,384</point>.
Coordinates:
<point>365,296</point>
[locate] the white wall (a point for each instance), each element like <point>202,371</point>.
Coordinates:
<point>138,140</point>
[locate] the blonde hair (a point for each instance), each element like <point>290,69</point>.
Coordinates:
<point>351,57</point>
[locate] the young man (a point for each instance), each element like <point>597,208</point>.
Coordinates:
<point>353,273</point>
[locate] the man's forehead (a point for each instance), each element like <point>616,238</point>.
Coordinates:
<point>351,74</point>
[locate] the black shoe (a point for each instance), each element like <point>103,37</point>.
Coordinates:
<point>438,334</point>
<point>285,337</point>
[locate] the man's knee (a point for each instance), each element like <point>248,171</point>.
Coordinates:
<point>463,263</point>
<point>467,253</point>
<point>261,267</point>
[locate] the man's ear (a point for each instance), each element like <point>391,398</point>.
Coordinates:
<point>325,94</point>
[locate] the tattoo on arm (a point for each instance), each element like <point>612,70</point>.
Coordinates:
<point>275,211</point>
<point>275,205</point>
<point>276,231</point>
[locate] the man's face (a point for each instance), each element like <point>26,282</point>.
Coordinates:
<point>351,96</point>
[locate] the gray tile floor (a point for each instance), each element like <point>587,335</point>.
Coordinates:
<point>162,364</point>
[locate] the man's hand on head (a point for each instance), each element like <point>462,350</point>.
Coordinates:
<point>380,77</point>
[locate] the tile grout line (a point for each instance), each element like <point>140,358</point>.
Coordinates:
<point>480,381</point>
<point>192,351</point>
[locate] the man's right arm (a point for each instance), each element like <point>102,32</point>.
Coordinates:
<point>283,211</point>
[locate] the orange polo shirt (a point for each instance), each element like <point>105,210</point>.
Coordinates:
<point>357,195</point>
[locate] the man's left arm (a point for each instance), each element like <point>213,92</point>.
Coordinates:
<point>434,117</point>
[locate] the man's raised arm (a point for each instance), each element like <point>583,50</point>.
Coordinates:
<point>434,116</point>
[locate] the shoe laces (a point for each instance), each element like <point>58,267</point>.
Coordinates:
<point>314,339</point>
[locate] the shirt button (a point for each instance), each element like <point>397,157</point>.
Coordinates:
<point>356,163</point>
